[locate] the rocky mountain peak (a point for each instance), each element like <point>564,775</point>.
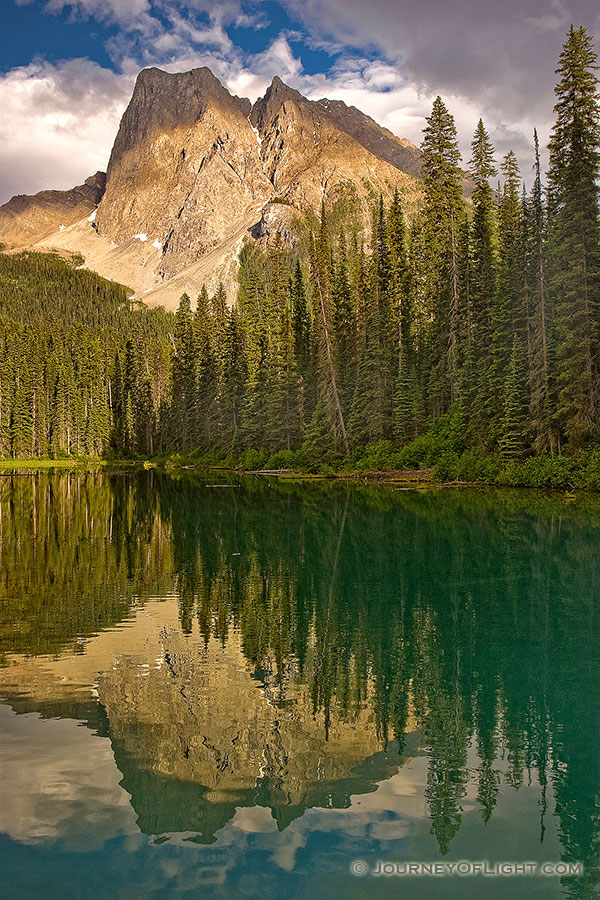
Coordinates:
<point>195,171</point>
<point>162,101</point>
<point>97,182</point>
<point>373,137</point>
<point>184,167</point>
<point>267,107</point>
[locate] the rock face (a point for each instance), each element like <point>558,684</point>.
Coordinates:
<point>195,172</point>
<point>377,140</point>
<point>30,218</point>
<point>309,158</point>
<point>184,169</point>
<point>277,225</point>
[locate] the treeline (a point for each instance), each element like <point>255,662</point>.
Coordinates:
<point>71,348</point>
<point>488,310</point>
<point>482,316</point>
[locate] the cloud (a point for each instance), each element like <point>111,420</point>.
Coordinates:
<point>388,58</point>
<point>69,789</point>
<point>501,55</point>
<point>58,123</point>
<point>123,12</point>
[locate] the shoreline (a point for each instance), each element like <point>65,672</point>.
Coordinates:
<point>396,479</point>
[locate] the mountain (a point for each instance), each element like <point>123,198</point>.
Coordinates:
<point>309,158</point>
<point>373,137</point>
<point>25,218</point>
<point>195,172</point>
<point>184,169</point>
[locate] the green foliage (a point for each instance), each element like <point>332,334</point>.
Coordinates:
<point>579,472</point>
<point>466,338</point>
<point>79,364</point>
<point>574,228</point>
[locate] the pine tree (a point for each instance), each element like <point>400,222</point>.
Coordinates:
<point>207,373</point>
<point>233,382</point>
<point>442,216</point>
<point>508,307</point>
<point>284,392</point>
<point>303,346</point>
<point>483,281</point>
<point>573,182</point>
<point>218,306</point>
<point>185,389</point>
<point>399,297</point>
<point>371,411</point>
<point>513,427</point>
<point>343,320</point>
<point>405,421</point>
<point>21,420</point>
<point>329,411</point>
<point>255,416</point>
<point>144,417</point>
<point>539,316</point>
<point>131,374</point>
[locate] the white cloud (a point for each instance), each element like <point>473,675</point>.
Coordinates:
<point>68,790</point>
<point>58,123</point>
<point>121,11</point>
<point>59,120</point>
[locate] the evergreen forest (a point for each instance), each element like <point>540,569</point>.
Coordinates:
<point>463,334</point>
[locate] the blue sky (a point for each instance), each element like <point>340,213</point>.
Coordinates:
<point>30,31</point>
<point>67,67</point>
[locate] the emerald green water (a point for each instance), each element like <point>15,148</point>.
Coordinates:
<point>239,691</point>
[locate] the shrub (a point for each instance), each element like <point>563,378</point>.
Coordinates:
<point>253,459</point>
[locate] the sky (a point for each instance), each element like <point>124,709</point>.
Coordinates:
<point>67,67</point>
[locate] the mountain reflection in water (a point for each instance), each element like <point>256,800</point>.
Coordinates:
<point>424,663</point>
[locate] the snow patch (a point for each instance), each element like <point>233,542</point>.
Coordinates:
<point>256,134</point>
<point>157,244</point>
<point>141,237</point>
<point>92,217</point>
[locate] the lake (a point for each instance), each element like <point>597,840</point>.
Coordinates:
<point>216,687</point>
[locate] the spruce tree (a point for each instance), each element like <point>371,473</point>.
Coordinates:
<point>206,374</point>
<point>303,347</point>
<point>442,216</point>
<point>185,395</point>
<point>233,382</point>
<point>328,412</point>
<point>539,312</point>
<point>513,426</point>
<point>343,319</point>
<point>508,317</point>
<point>371,412</point>
<point>574,236</point>
<point>399,297</point>
<point>482,283</point>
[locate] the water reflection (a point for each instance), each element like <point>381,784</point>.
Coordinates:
<point>292,647</point>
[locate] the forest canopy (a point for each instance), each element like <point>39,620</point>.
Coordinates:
<point>470,326</point>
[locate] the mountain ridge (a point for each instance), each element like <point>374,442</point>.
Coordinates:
<point>27,217</point>
<point>192,162</point>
